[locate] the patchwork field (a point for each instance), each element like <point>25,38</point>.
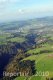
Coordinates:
<point>27,47</point>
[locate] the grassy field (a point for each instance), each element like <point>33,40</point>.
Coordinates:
<point>20,78</point>
<point>43,63</point>
<point>30,78</point>
<point>8,37</point>
<point>47,47</point>
<point>17,39</point>
<point>3,38</point>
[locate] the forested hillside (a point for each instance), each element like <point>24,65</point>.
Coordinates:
<point>26,49</point>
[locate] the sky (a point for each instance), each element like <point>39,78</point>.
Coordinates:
<point>24,9</point>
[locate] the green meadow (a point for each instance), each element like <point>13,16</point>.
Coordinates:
<point>43,63</point>
<point>17,39</point>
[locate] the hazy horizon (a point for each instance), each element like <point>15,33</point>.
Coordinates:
<point>11,10</point>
